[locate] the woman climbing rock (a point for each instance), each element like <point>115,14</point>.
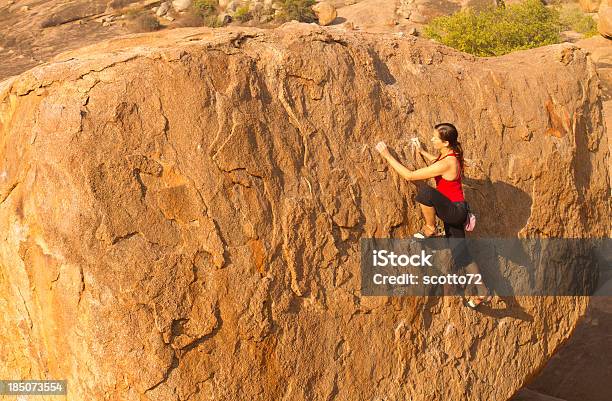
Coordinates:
<point>446,200</point>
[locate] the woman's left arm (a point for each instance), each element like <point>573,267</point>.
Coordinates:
<point>424,173</point>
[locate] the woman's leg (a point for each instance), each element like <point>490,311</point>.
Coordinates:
<point>454,231</point>
<point>481,288</point>
<point>453,217</point>
<point>462,258</point>
<point>446,210</point>
<point>429,214</point>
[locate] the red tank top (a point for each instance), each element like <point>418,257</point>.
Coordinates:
<point>451,189</point>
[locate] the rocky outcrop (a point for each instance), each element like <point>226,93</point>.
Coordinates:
<point>572,376</point>
<point>423,11</point>
<point>163,9</point>
<point>600,51</point>
<point>589,6</point>
<point>181,5</point>
<point>47,28</point>
<point>325,12</point>
<point>604,20</point>
<point>182,213</point>
<point>371,15</point>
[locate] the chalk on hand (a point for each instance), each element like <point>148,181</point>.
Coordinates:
<point>381,146</point>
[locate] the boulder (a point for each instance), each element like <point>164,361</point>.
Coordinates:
<point>233,5</point>
<point>163,9</point>
<point>589,6</point>
<point>369,14</point>
<point>73,11</point>
<point>181,5</point>
<point>600,51</point>
<point>423,11</point>
<point>604,21</point>
<point>182,212</point>
<point>256,7</point>
<point>114,4</point>
<point>265,18</point>
<point>224,19</point>
<point>325,12</point>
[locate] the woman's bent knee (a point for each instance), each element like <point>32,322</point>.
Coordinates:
<point>424,195</point>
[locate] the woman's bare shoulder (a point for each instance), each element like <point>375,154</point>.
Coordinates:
<point>446,162</point>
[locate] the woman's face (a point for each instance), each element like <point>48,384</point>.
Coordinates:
<point>437,142</point>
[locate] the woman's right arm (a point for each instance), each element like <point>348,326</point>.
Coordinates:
<point>424,173</point>
<point>426,155</point>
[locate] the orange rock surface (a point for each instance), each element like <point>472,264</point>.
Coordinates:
<point>182,211</point>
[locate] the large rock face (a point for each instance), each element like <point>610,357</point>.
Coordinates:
<point>30,37</point>
<point>182,211</point>
<point>600,51</point>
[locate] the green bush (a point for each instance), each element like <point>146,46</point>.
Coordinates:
<point>297,10</point>
<point>205,8</point>
<point>242,13</point>
<point>573,18</point>
<point>208,11</point>
<point>498,30</point>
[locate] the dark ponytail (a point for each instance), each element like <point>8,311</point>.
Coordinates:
<point>448,133</point>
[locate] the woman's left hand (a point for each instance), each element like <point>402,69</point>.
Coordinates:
<point>381,147</point>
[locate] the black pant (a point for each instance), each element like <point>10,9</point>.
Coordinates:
<point>454,215</point>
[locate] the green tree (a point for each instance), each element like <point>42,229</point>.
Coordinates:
<point>498,30</point>
<point>205,8</point>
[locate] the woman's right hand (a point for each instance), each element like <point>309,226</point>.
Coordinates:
<point>381,147</point>
<point>414,151</point>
